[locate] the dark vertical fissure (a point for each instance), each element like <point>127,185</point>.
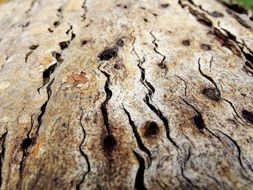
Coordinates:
<point>82,153</point>
<point>105,103</point>
<point>139,179</point>
<point>148,101</point>
<point>137,136</point>
<point>2,154</point>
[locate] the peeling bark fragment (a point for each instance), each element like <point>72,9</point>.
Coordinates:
<point>227,42</point>
<point>201,17</point>
<point>239,19</point>
<point>249,67</point>
<point>249,63</point>
<point>235,7</point>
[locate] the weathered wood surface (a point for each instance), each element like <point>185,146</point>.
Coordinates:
<point>126,95</point>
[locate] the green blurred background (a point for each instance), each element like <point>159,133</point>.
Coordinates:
<point>246,3</point>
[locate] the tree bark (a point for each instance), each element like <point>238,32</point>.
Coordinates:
<point>126,95</point>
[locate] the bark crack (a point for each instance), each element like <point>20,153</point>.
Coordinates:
<point>85,10</point>
<point>229,40</point>
<point>82,152</point>
<point>2,154</point>
<point>105,103</point>
<point>31,6</point>
<point>198,120</point>
<point>138,137</point>
<point>162,63</point>
<point>185,84</point>
<point>236,146</point>
<point>233,107</point>
<point>183,166</point>
<point>44,106</point>
<point>148,101</point>
<point>25,147</point>
<point>218,93</point>
<point>57,23</point>
<point>139,179</point>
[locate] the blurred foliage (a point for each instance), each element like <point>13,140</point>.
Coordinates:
<point>246,3</point>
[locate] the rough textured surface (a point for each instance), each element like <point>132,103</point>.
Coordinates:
<point>126,95</point>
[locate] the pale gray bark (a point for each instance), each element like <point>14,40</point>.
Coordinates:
<point>126,95</point>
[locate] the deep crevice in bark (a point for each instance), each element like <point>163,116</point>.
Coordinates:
<point>199,121</point>
<point>139,179</point>
<point>233,107</point>
<point>236,145</point>
<point>138,137</point>
<point>44,106</point>
<point>105,103</point>
<point>185,83</point>
<point>148,100</point>
<point>2,154</point>
<point>217,94</point>
<point>228,40</point>
<point>162,63</point>
<point>82,152</point>
<point>25,147</point>
<point>182,170</point>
